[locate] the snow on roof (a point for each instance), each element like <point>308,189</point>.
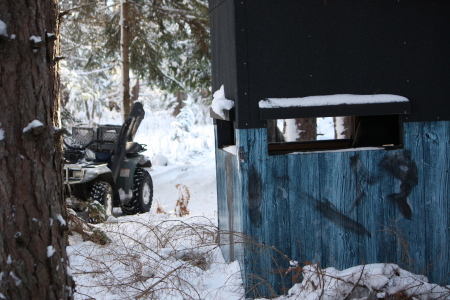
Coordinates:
<point>220,103</point>
<point>329,100</point>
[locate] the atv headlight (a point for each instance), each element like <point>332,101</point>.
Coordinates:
<point>77,174</point>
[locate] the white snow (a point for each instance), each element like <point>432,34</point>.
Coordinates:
<point>330,100</point>
<point>159,160</point>
<point>291,132</point>
<point>13,36</point>
<point>230,149</point>
<point>61,220</point>
<point>220,103</point>
<point>17,280</point>
<point>2,133</point>
<point>50,251</point>
<point>161,250</point>
<point>357,282</point>
<point>35,39</point>
<point>3,29</point>
<point>124,196</point>
<point>33,124</point>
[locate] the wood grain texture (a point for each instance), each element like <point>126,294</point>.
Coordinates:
<point>341,209</point>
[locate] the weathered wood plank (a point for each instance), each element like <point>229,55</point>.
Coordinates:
<point>339,209</point>
<point>436,195</point>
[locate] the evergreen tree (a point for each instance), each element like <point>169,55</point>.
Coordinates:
<point>33,230</point>
<point>168,40</point>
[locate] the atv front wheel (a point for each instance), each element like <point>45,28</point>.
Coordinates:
<point>101,192</point>
<point>142,194</point>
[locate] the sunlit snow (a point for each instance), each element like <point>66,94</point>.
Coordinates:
<point>33,124</point>
<point>221,103</point>
<point>3,29</point>
<point>35,39</point>
<point>330,100</point>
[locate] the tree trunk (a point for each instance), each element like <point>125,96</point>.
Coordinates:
<point>180,97</point>
<point>297,130</point>
<point>135,92</point>
<point>343,127</point>
<point>33,233</point>
<point>124,45</point>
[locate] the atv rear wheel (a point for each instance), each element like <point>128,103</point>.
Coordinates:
<point>101,192</point>
<point>142,194</point>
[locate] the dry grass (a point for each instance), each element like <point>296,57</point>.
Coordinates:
<point>171,259</point>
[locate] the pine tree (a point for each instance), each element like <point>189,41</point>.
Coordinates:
<point>168,40</point>
<point>33,230</point>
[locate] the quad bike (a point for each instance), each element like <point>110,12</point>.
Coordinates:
<point>104,165</point>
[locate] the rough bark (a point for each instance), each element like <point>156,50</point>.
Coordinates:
<point>306,129</point>
<point>124,47</point>
<point>33,236</point>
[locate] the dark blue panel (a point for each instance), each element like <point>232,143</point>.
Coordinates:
<point>339,209</point>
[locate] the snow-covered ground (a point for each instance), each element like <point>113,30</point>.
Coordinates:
<point>160,256</point>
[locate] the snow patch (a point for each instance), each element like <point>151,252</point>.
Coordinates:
<point>389,279</point>
<point>330,100</point>
<point>2,133</point>
<point>13,36</point>
<point>61,220</point>
<point>9,259</point>
<point>69,271</point>
<point>3,28</point>
<point>230,149</point>
<point>35,39</point>
<point>220,103</point>
<point>50,251</point>
<point>160,160</point>
<point>292,133</point>
<point>124,196</point>
<point>33,124</point>
<point>17,280</point>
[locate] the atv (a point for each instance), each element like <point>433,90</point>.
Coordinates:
<point>104,166</point>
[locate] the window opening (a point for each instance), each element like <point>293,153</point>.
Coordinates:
<point>333,133</point>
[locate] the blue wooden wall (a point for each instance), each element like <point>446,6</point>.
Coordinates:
<point>338,209</point>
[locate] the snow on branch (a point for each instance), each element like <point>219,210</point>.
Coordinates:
<point>32,125</point>
<point>36,39</point>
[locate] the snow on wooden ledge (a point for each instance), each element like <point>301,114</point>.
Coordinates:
<point>327,100</point>
<point>333,106</point>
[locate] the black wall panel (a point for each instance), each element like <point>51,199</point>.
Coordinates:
<point>293,48</point>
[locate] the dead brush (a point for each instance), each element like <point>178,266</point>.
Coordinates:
<point>150,261</point>
<point>158,260</point>
<point>184,196</point>
<point>87,231</point>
